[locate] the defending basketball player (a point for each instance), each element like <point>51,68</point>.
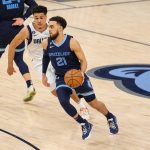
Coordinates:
<point>34,33</point>
<point>65,53</point>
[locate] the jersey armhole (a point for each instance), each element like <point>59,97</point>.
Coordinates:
<point>30,35</point>
<point>70,42</point>
<point>48,42</point>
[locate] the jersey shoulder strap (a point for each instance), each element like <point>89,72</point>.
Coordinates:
<point>30,34</point>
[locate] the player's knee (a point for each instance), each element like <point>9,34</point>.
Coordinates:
<point>93,103</point>
<point>96,104</point>
<point>23,69</point>
<point>90,98</point>
<point>21,65</point>
<point>63,92</point>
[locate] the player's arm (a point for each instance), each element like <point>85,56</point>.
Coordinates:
<point>75,46</point>
<point>19,38</point>
<point>31,4</point>
<point>45,62</point>
<point>20,21</point>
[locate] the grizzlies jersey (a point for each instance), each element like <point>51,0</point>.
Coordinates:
<point>34,41</point>
<point>61,56</point>
<point>10,9</point>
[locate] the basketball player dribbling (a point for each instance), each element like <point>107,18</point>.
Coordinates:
<point>34,33</point>
<point>65,53</point>
<point>11,22</point>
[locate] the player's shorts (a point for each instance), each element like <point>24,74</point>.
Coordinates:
<point>7,33</point>
<point>37,64</point>
<point>84,91</point>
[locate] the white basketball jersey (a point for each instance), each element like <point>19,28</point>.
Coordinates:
<point>34,47</point>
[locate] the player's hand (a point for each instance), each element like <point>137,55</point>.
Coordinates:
<point>18,22</point>
<point>10,70</point>
<point>45,81</point>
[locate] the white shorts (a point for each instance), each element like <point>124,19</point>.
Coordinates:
<point>37,64</point>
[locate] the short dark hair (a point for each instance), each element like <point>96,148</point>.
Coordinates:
<point>39,9</point>
<point>60,20</point>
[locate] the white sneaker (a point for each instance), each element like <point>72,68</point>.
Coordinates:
<point>84,112</point>
<point>30,94</point>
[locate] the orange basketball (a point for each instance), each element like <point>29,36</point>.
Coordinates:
<point>73,78</point>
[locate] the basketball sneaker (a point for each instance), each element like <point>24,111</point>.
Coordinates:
<point>86,130</point>
<point>30,94</point>
<point>113,127</point>
<point>84,112</point>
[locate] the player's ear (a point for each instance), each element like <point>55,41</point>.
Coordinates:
<point>60,28</point>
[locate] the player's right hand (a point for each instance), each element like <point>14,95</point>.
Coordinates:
<point>10,70</point>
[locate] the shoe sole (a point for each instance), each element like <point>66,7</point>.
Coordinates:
<point>32,94</point>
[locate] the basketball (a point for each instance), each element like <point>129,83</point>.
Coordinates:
<point>73,78</point>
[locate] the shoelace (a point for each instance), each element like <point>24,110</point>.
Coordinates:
<point>111,123</point>
<point>84,129</point>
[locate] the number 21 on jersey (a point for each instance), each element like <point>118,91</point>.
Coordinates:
<point>61,61</point>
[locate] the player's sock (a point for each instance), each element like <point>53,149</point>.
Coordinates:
<point>80,120</point>
<point>109,115</point>
<point>29,83</point>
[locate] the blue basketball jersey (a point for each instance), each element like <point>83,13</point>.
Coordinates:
<point>11,9</point>
<point>62,57</point>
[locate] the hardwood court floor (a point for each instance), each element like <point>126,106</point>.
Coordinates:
<point>110,32</point>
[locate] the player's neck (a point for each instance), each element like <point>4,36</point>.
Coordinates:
<point>59,39</point>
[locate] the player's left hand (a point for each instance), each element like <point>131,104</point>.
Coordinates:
<point>18,21</point>
<point>10,70</point>
<point>83,76</point>
<point>45,81</point>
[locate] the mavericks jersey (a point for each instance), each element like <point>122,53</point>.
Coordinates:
<point>34,42</point>
<point>62,57</point>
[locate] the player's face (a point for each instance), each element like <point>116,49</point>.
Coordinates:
<point>40,20</point>
<point>53,29</point>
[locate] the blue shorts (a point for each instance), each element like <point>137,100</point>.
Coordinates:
<point>84,91</point>
<point>7,33</point>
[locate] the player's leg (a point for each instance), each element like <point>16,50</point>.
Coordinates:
<point>86,90</point>
<point>112,121</point>
<point>7,33</point>
<point>51,80</point>
<point>64,94</point>
<point>84,111</point>
<point>24,70</point>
